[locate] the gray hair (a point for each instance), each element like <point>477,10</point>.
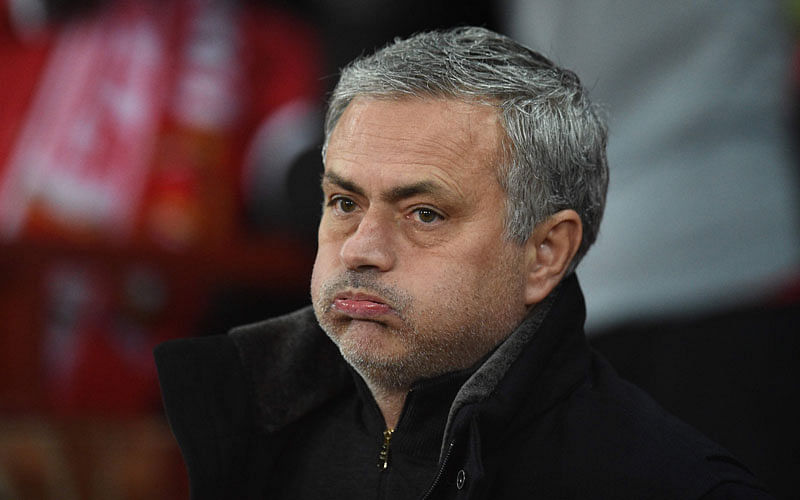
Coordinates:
<point>554,152</point>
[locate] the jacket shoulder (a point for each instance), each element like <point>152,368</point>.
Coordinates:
<point>191,367</point>
<point>292,365</point>
<point>207,400</point>
<point>620,432</point>
<point>226,396</point>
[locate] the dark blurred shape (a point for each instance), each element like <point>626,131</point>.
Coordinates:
<point>61,10</point>
<point>298,206</point>
<point>350,28</point>
<point>283,182</point>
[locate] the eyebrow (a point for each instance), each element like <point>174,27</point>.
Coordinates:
<point>393,195</point>
<point>343,183</point>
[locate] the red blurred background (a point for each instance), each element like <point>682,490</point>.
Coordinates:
<point>159,171</point>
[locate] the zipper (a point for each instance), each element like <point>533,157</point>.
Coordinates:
<point>383,456</point>
<point>441,471</point>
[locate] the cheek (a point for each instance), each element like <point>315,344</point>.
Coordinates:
<point>494,270</point>
<point>443,279</point>
<point>323,266</point>
<point>315,282</point>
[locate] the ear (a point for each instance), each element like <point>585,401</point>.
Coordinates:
<point>549,251</point>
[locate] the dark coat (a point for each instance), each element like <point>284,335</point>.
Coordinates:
<point>543,417</point>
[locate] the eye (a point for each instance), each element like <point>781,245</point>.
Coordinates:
<point>343,204</point>
<point>427,215</point>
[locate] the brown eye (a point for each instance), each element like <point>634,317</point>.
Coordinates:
<point>345,205</point>
<point>427,215</point>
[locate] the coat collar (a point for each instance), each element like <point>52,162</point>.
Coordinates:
<point>295,368</point>
<point>539,364</point>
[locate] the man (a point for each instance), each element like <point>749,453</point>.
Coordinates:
<point>465,177</point>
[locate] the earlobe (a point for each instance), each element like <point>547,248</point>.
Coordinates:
<point>549,252</point>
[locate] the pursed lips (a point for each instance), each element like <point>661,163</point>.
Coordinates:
<point>361,305</point>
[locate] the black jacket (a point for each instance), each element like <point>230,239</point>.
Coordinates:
<point>543,417</point>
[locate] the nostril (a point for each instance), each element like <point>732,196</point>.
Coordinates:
<point>366,268</point>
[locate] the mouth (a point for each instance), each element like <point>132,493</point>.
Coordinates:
<point>361,305</point>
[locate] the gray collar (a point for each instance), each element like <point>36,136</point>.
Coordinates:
<point>483,382</point>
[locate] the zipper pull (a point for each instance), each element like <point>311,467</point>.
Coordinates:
<point>383,457</point>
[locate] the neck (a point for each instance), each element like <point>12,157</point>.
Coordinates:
<point>390,402</point>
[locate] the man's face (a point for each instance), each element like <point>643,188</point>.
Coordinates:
<point>414,276</point>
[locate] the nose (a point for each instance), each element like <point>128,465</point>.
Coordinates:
<point>370,246</point>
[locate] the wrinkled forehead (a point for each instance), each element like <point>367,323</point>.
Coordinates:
<point>458,132</point>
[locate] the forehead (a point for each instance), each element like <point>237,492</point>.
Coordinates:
<point>443,133</point>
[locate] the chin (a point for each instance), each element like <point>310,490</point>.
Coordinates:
<point>370,341</point>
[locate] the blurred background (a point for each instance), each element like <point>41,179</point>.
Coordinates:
<point>159,171</point>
